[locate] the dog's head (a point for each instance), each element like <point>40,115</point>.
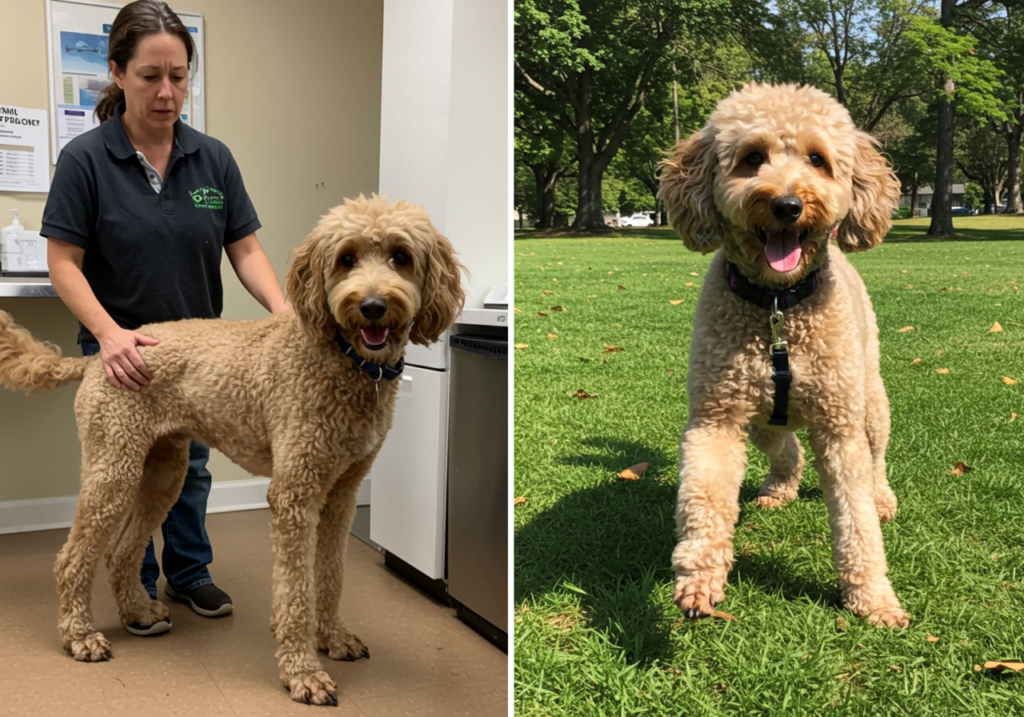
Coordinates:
<point>379,273</point>
<point>776,172</point>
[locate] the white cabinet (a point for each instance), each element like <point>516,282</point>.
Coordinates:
<point>408,478</point>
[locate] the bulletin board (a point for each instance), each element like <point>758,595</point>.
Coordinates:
<point>77,32</point>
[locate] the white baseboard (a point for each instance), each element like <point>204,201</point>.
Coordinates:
<point>23,516</point>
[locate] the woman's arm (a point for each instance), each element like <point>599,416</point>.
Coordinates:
<point>254,270</point>
<point>121,360</point>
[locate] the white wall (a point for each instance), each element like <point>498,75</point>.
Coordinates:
<point>445,125</point>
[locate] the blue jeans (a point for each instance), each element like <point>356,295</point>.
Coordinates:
<point>187,550</point>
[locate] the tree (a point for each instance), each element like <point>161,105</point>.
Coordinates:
<point>542,147</point>
<point>594,61</point>
<point>980,156</point>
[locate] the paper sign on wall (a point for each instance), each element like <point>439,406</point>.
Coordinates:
<point>24,155</point>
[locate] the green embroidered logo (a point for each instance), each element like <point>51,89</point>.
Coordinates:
<point>207,198</point>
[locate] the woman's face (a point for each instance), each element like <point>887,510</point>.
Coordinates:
<point>154,83</point>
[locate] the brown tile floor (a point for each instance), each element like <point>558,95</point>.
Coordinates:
<point>425,661</point>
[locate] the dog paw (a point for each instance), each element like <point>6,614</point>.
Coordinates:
<point>340,644</point>
<point>775,493</point>
<point>889,617</point>
<point>147,612</point>
<point>886,507</point>
<point>697,593</point>
<point>92,648</point>
<point>315,689</point>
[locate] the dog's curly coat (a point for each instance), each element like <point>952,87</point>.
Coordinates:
<point>279,398</point>
<point>776,172</point>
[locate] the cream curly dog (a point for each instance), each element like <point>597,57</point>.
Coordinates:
<point>278,396</point>
<point>775,174</point>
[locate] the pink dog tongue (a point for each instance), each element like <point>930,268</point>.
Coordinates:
<point>375,335</point>
<point>782,250</point>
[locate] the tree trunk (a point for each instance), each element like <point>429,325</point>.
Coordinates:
<point>545,179</point>
<point>942,198</point>
<point>1013,198</point>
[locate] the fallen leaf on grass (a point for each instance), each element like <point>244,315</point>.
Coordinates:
<point>634,472</point>
<point>582,394</point>
<point>517,310</point>
<point>557,308</point>
<point>675,302</point>
<point>932,638</point>
<point>942,370</point>
<point>905,329</point>
<point>1013,416</point>
<point>1001,665</point>
<point>552,336</point>
<point>917,360</point>
<point>939,352</point>
<point>1009,381</point>
<point>842,623</point>
<point>611,349</point>
<point>520,500</point>
<point>621,287</point>
<point>547,292</point>
<point>610,273</point>
<point>689,283</point>
<point>520,346</point>
<point>693,273</point>
<point>903,271</point>
<point>670,372</point>
<point>960,468</point>
<point>541,313</point>
<point>995,328</point>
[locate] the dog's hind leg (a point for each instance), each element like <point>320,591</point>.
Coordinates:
<point>162,477</point>
<point>878,438</point>
<point>110,479</point>
<point>713,460</point>
<point>332,540</point>
<point>296,496</point>
<point>786,466</point>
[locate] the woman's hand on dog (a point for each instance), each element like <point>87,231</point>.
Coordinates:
<point>121,359</point>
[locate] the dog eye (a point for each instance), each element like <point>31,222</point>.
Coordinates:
<point>754,159</point>
<point>348,260</point>
<point>816,159</point>
<point>400,258</point>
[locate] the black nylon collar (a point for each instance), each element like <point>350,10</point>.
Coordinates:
<point>788,297</point>
<point>375,371</point>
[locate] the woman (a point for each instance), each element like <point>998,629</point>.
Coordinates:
<point>139,212</point>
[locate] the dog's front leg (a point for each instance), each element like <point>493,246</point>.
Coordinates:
<point>294,514</point>
<point>713,459</point>
<point>332,540</point>
<point>845,466</point>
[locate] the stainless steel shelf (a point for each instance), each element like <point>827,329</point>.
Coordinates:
<point>23,287</point>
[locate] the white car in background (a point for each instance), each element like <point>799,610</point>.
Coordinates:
<point>636,220</point>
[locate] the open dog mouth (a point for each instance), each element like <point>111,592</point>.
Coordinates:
<point>782,248</point>
<point>375,337</point>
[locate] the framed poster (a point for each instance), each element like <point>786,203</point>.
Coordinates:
<point>77,32</point>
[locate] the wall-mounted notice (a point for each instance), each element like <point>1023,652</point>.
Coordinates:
<point>77,38</point>
<point>24,156</point>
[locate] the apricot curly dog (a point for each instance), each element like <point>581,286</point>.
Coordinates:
<point>278,396</point>
<point>775,174</point>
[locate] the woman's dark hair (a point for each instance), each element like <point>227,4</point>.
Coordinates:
<point>134,22</point>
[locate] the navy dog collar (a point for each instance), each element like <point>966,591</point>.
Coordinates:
<point>375,371</point>
<point>765,298</point>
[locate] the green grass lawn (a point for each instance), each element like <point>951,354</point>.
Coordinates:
<point>596,632</point>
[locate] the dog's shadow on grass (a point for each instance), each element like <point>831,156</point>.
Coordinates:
<point>612,545</point>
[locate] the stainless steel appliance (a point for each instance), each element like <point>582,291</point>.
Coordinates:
<point>478,479</point>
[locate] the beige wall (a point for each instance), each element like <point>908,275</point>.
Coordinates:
<point>293,88</point>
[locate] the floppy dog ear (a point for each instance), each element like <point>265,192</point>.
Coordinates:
<point>442,292</point>
<point>687,185</point>
<point>876,193</point>
<point>304,284</point>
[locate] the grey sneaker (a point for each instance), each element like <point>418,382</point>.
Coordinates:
<point>206,600</point>
<point>157,628</point>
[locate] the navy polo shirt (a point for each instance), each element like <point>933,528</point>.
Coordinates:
<point>149,256</point>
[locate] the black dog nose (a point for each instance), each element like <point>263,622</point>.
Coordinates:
<point>787,209</point>
<point>373,307</point>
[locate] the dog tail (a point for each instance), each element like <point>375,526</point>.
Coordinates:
<point>29,365</point>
